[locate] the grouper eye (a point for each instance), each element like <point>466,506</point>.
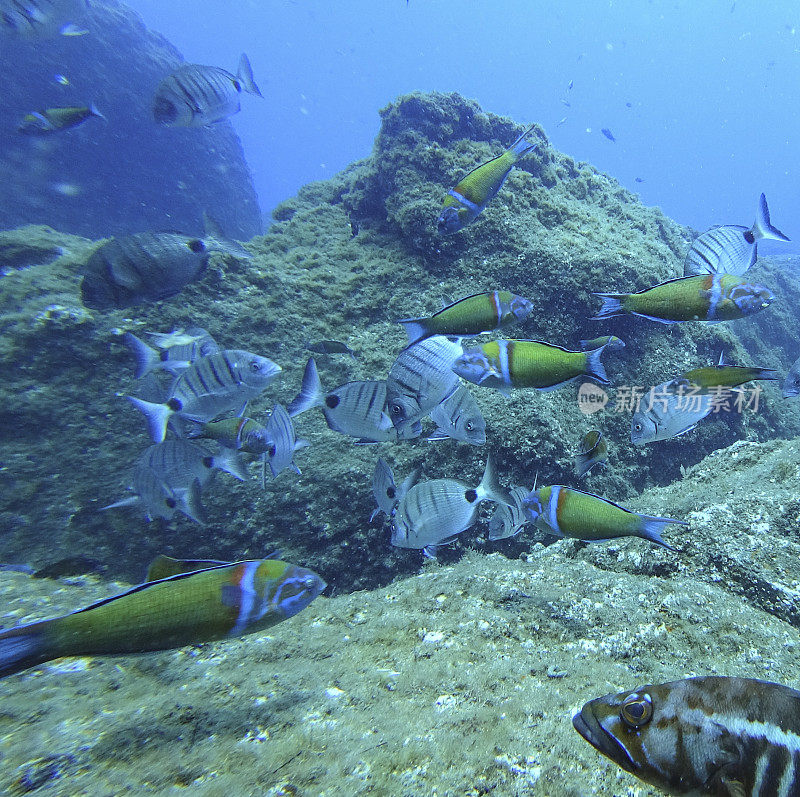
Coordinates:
<point>637,710</point>
<point>637,427</point>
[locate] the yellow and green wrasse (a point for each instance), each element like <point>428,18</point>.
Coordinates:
<point>52,120</point>
<point>706,297</point>
<point>565,512</point>
<point>504,364</point>
<point>181,608</point>
<point>612,341</point>
<point>713,377</point>
<point>472,315</point>
<point>466,201</point>
<point>238,433</point>
<point>593,451</point>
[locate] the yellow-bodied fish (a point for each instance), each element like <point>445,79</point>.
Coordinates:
<point>706,297</point>
<point>53,120</point>
<point>504,364</point>
<point>565,512</point>
<point>180,608</point>
<point>472,315</point>
<point>466,201</point>
<point>593,451</point>
<point>715,377</point>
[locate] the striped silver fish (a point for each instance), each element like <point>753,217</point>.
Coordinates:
<point>282,441</point>
<point>434,512</point>
<point>356,409</point>
<point>732,737</point>
<point>387,494</point>
<point>730,248</point>
<point>458,416</point>
<point>172,358</point>
<point>209,387</point>
<point>791,385</point>
<point>508,521</point>
<point>668,410</point>
<point>195,95</point>
<point>421,377</point>
<point>169,476</point>
<point>41,19</point>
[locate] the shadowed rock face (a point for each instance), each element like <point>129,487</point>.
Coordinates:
<point>126,174</point>
<point>344,260</point>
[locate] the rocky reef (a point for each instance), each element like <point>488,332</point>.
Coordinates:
<point>126,174</point>
<point>460,680</point>
<point>345,259</point>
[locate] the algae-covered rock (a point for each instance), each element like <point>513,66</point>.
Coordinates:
<point>344,260</point>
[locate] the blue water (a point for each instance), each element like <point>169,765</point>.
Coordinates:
<point>701,97</point>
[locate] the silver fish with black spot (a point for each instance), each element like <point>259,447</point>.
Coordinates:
<point>421,377</point>
<point>387,494</point>
<point>715,735</point>
<point>435,512</point>
<point>731,248</point>
<point>41,19</point>
<point>791,385</point>
<point>145,267</point>
<point>210,386</point>
<point>175,352</point>
<point>356,409</point>
<point>194,95</point>
<point>169,476</point>
<point>459,417</point>
<point>283,441</point>
<point>668,410</point>
<point>509,520</point>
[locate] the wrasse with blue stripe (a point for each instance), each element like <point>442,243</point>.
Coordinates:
<point>565,512</point>
<point>179,608</point>
<point>472,315</point>
<point>506,364</point>
<point>731,737</point>
<point>467,200</point>
<point>708,297</point>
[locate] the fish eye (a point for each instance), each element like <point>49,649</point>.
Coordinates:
<point>255,366</point>
<point>469,426</point>
<point>395,409</point>
<point>637,710</point>
<point>196,245</point>
<point>637,427</point>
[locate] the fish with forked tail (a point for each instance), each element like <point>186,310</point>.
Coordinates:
<point>715,735</point>
<point>565,512</point>
<point>53,120</point>
<point>217,602</point>
<point>709,297</point>
<point>468,199</point>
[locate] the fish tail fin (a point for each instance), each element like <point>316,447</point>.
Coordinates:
<point>612,305</point>
<point>491,488</point>
<point>147,358</point>
<point>93,110</point>
<point>651,528</point>
<point>245,74</point>
<point>310,394</point>
<point>765,373</point>
<point>23,647</point>
<point>189,503</point>
<point>415,329</point>
<point>762,228</point>
<point>582,464</point>
<point>157,416</point>
<point>594,367</point>
<point>192,429</point>
<point>132,501</point>
<point>231,462</point>
<point>216,238</point>
<point>522,146</point>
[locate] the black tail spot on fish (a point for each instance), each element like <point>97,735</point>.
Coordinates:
<point>164,111</point>
<point>208,462</point>
<point>471,496</point>
<point>390,492</point>
<point>749,237</point>
<point>271,451</point>
<point>171,503</point>
<point>176,405</point>
<point>197,246</point>
<point>331,401</point>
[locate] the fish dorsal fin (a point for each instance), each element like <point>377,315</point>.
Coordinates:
<point>166,566</point>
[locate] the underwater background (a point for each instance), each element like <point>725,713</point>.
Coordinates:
<point>317,207</point>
